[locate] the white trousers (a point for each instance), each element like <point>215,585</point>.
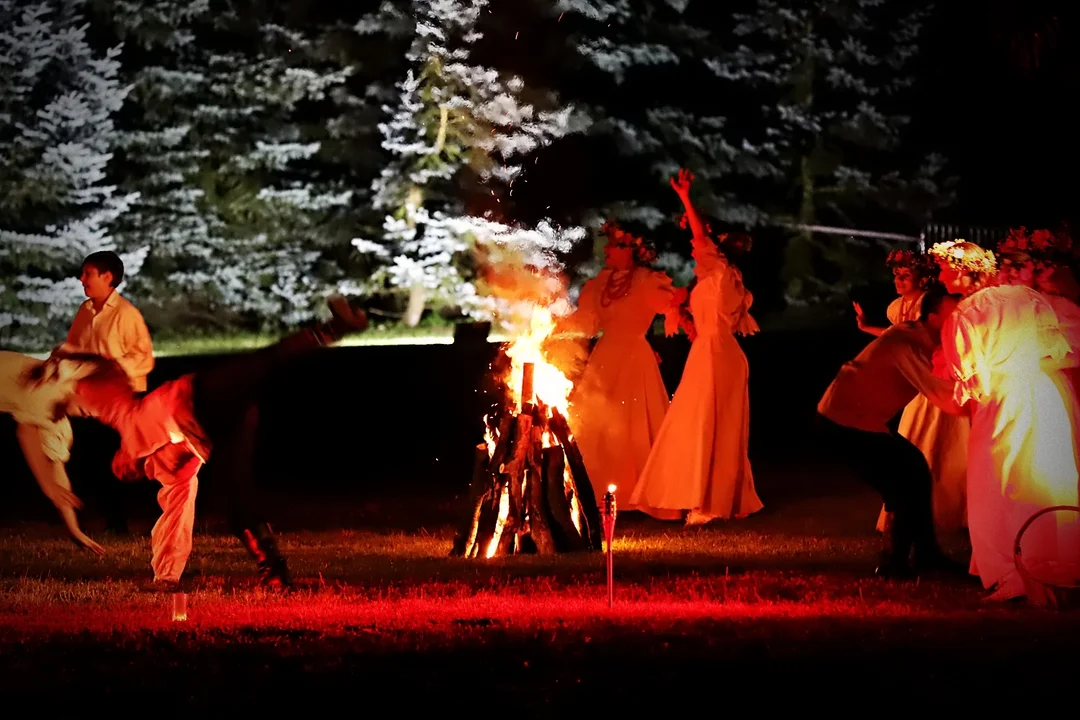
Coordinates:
<point>176,468</point>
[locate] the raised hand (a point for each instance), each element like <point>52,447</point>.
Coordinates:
<point>681,183</point>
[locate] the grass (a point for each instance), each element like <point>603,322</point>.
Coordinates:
<point>782,600</point>
<point>378,334</point>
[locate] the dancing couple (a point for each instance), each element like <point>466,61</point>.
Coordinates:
<point>684,459</point>
<point>167,435</point>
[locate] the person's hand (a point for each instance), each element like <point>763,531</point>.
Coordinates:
<point>61,497</point>
<point>860,316</point>
<point>82,540</point>
<point>681,183</point>
<point>77,535</point>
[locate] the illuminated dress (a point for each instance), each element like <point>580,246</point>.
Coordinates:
<point>1021,452</point>
<point>699,461</point>
<point>620,401</point>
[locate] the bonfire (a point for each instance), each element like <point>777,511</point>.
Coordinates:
<point>530,492</point>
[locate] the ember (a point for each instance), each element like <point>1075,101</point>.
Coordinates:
<point>530,492</point>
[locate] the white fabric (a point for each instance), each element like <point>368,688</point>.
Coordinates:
<point>33,404</point>
<point>117,332</point>
<point>1022,449</point>
<point>172,535</point>
<point>699,461</point>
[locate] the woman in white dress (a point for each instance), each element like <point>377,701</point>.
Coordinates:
<point>619,403</point>
<point>941,437</point>
<point>1000,346</point>
<point>699,463</point>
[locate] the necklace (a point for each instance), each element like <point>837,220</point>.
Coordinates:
<point>906,307</point>
<point>616,288</point>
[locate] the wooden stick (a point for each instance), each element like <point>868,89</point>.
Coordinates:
<point>526,385</point>
<point>582,486</point>
<point>481,487</point>
<point>564,533</point>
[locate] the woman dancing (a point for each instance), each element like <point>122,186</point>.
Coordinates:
<point>699,462</point>
<point>620,401</point>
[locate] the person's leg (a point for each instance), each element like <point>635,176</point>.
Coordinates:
<point>871,455</point>
<point>246,516</point>
<point>176,468</point>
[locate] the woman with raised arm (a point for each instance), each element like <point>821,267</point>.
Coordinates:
<point>699,464</point>
<point>620,400</point>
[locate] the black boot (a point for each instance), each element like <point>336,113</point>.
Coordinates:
<point>895,555</point>
<point>273,571</point>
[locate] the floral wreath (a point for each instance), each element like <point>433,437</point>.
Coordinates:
<point>923,266</point>
<point>979,260</point>
<point>1025,256</point>
<point>644,253</point>
<point>741,242</point>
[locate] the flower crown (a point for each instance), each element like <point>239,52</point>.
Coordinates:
<point>644,253</point>
<point>1025,256</point>
<point>962,255</point>
<point>733,241</point>
<point>920,264</point>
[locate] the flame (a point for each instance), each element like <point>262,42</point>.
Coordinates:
<point>533,299</point>
<point>550,385</point>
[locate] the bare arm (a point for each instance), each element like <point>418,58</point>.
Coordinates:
<point>860,320</point>
<point>681,186</point>
<point>53,480</point>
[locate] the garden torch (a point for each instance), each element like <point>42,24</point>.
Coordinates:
<point>610,511</point>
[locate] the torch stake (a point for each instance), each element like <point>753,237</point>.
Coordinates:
<point>610,511</point>
<point>610,576</point>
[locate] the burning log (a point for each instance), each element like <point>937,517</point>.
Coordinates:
<point>561,429</point>
<point>529,491</point>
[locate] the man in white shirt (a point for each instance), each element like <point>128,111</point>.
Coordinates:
<point>855,412</point>
<point>107,324</point>
<point>110,326</point>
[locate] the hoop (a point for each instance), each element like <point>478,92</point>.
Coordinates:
<point>1058,592</point>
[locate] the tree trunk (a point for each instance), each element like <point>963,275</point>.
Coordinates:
<point>415,310</point>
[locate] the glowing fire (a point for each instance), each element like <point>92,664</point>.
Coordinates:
<point>550,386</point>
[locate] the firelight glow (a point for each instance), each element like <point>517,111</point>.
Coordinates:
<point>611,489</point>
<point>550,385</point>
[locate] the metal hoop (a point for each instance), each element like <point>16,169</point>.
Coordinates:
<point>1018,561</point>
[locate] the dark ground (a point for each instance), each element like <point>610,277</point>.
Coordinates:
<point>365,483</point>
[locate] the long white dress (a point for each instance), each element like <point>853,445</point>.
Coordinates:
<point>699,460</point>
<point>941,437</point>
<point>620,401</point>
<point>1022,450</point>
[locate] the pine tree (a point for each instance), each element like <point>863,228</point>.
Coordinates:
<point>237,206</point>
<point>685,119</point>
<point>457,129</point>
<point>833,80</point>
<point>58,98</point>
